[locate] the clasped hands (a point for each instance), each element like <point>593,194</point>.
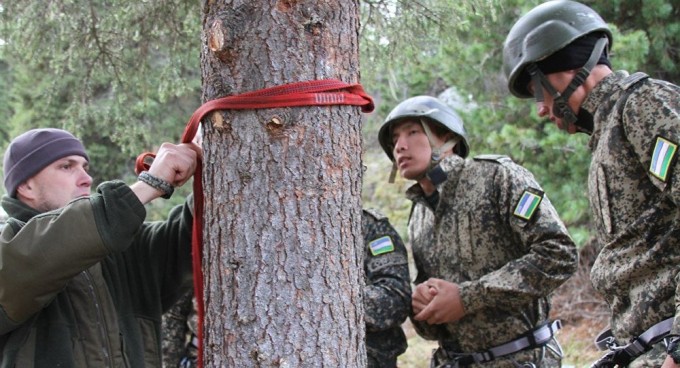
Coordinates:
<point>437,301</point>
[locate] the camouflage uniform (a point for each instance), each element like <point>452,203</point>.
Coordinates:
<point>179,331</point>
<point>387,295</point>
<point>387,299</point>
<point>506,261</point>
<point>635,204</point>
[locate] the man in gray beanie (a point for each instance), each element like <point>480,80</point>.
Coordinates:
<point>83,279</point>
<point>34,150</point>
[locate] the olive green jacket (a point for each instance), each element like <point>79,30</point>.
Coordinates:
<point>85,285</point>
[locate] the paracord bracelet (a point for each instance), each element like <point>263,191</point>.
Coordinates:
<point>157,183</point>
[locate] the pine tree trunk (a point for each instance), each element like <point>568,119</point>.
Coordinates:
<point>282,244</point>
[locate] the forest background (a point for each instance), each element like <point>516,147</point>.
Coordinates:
<point>124,76</point>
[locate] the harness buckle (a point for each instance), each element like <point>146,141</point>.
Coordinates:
<point>483,357</point>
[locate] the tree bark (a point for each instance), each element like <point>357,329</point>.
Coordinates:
<point>283,252</point>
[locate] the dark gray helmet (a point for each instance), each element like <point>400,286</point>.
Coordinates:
<point>542,31</point>
<point>423,107</point>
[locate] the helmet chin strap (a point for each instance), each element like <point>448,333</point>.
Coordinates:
<point>561,107</point>
<point>393,173</point>
<point>437,152</point>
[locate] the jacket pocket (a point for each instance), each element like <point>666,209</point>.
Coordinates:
<point>26,354</point>
<point>467,255</point>
<point>151,343</point>
<point>604,209</point>
<point>126,361</point>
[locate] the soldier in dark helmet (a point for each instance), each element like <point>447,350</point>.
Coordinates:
<point>488,245</point>
<point>558,54</point>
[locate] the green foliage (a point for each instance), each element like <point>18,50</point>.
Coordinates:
<point>630,50</point>
<point>658,21</point>
<point>121,75</point>
<point>403,43</point>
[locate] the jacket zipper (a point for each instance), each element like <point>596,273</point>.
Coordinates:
<point>102,322</point>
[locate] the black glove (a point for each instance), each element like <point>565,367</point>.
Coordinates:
<point>614,358</point>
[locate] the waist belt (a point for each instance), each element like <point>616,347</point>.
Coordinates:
<point>606,340</point>
<point>532,339</point>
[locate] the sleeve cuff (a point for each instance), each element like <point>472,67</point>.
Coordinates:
<point>472,296</point>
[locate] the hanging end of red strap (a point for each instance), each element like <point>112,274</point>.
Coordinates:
<point>144,161</point>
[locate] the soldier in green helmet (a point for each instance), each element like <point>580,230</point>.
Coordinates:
<point>558,53</point>
<point>488,245</point>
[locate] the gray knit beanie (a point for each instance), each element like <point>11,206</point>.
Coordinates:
<point>33,150</point>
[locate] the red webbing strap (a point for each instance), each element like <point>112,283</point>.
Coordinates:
<point>310,93</point>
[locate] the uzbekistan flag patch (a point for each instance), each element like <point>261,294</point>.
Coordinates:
<point>381,245</point>
<point>528,204</point>
<point>662,158</point>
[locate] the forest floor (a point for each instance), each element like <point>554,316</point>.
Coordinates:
<point>582,311</point>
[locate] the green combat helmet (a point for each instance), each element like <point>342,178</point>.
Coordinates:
<point>425,107</point>
<point>543,31</point>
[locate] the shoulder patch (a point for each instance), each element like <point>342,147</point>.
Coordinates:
<point>381,245</point>
<point>375,213</point>
<point>663,156</point>
<point>491,157</point>
<point>528,203</point>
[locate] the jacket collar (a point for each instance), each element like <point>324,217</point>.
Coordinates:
<point>598,97</point>
<point>18,209</point>
<point>447,172</point>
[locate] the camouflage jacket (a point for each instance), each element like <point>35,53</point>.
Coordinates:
<point>179,335</point>
<point>496,234</point>
<point>387,295</point>
<point>634,191</point>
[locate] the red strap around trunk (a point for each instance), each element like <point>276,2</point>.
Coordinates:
<point>309,93</point>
